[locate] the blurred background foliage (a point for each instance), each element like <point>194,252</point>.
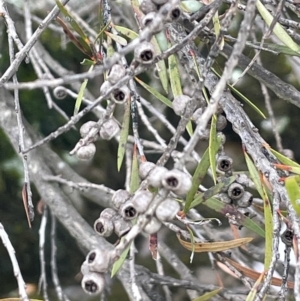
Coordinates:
<point>103,169</point>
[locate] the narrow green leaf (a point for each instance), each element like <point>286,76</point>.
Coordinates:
<point>242,219</point>
<point>189,128</point>
<point>124,135</point>
<point>283,159</point>
<point>126,32</point>
<point>87,62</point>
<point>209,193</point>
<point>190,6</point>
<point>293,191</point>
<point>214,145</point>
<point>278,30</point>
<point>116,38</point>
<point>174,75</point>
<point>75,25</point>
<point>109,48</point>
<point>81,94</point>
<point>256,178</point>
<point>208,295</point>
<point>118,264</point>
<point>198,176</point>
<point>192,243</point>
<point>155,93</point>
<point>162,40</point>
<point>134,177</point>
<point>100,34</point>
<point>217,28</point>
<point>243,97</point>
<point>161,67</point>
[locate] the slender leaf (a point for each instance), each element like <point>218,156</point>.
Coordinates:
<point>116,38</point>
<point>202,197</point>
<point>255,275</point>
<point>81,94</point>
<point>243,97</point>
<point>75,25</point>
<point>242,219</point>
<point>134,177</point>
<point>200,247</point>
<point>293,191</point>
<point>208,295</point>
<point>190,6</point>
<point>155,93</point>
<point>257,180</point>
<point>118,264</point>
<point>174,75</point>
<point>161,67</point>
<point>126,32</point>
<point>252,294</point>
<point>73,39</point>
<point>214,145</point>
<point>100,34</point>
<point>192,243</point>
<point>87,62</point>
<point>283,159</point>
<point>162,40</point>
<point>123,135</point>
<point>109,48</point>
<point>198,176</point>
<point>292,169</point>
<point>278,30</point>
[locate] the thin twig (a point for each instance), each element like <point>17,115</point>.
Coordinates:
<point>11,252</point>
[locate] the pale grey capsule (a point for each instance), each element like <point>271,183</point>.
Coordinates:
<point>177,181</point>
<point>148,6</point>
<point>156,175</point>
<point>153,226</point>
<point>86,152</point>
<point>98,260</point>
<point>197,114</point>
<point>109,129</point>
<point>246,200</point>
<point>121,227</point>
<point>116,73</point>
<point>141,200</point>
<point>128,211</point>
<point>86,128</point>
<point>167,210</point>
<point>235,191</point>
<point>60,92</point>
<point>223,197</point>
<point>148,19</point>
<point>160,2</point>
<point>104,227</point>
<point>120,95</point>
<point>84,268</point>
<point>93,283</point>
<point>144,53</point>
<point>105,87</point>
<point>221,123</point>
<point>145,168</point>
<point>108,213</point>
<point>180,103</point>
<point>119,198</point>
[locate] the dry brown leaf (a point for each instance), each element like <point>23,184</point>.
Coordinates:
<point>213,246</point>
<point>255,275</point>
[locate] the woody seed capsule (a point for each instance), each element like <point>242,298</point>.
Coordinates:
<point>109,129</point>
<point>86,152</point>
<point>144,54</point>
<point>167,210</point>
<point>119,198</point>
<point>93,283</point>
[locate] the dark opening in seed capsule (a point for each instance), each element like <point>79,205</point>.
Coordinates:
<point>148,22</point>
<point>91,257</point>
<point>237,191</point>
<point>224,165</point>
<point>99,227</point>
<point>175,13</point>
<point>119,96</point>
<point>130,212</point>
<point>172,181</point>
<point>147,55</point>
<point>91,286</point>
<point>287,237</point>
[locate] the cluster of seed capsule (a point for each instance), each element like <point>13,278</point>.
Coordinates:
<point>235,193</point>
<point>107,131</point>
